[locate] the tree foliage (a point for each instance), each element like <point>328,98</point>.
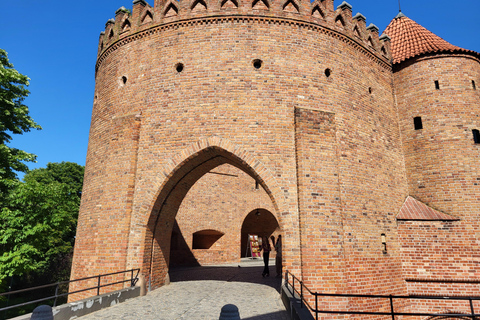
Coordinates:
<point>14,119</point>
<point>37,226</point>
<point>68,173</point>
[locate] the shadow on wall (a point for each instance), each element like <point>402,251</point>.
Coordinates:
<point>260,222</point>
<point>180,253</point>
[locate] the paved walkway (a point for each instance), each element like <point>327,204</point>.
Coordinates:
<point>200,293</point>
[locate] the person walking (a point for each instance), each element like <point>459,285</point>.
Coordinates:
<point>266,248</point>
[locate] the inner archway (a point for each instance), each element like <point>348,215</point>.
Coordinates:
<point>260,222</point>
<point>210,195</point>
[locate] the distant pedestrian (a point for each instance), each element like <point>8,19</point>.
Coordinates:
<point>266,248</point>
<point>278,256</point>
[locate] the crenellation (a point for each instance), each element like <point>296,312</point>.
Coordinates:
<point>142,13</point>
<point>329,6</point>
<point>122,23</point>
<point>372,39</point>
<point>101,39</point>
<point>109,32</point>
<point>320,12</point>
<point>386,43</point>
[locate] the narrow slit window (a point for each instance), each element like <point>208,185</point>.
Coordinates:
<point>384,243</point>
<point>417,122</point>
<point>476,136</point>
<point>437,85</point>
<point>256,185</point>
<point>473,85</point>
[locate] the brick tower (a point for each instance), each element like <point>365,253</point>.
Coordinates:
<point>209,115</point>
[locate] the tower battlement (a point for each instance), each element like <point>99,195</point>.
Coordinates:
<point>143,18</point>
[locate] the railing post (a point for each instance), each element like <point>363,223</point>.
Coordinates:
<point>471,307</point>
<point>316,305</point>
<point>56,295</point>
<point>98,285</point>
<point>391,308</point>
<point>131,280</point>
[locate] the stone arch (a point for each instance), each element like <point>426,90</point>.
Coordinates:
<point>317,12</point>
<point>181,172</point>
<point>291,6</point>
<point>261,4</point>
<point>232,4</point>
<point>147,17</point>
<point>339,21</point>
<point>198,5</point>
<point>356,31</point>
<point>170,10</point>
<point>126,25</point>
<point>370,42</point>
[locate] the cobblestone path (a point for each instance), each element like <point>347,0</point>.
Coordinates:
<point>201,292</point>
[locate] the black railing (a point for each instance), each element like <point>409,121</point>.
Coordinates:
<point>299,294</point>
<point>133,280</point>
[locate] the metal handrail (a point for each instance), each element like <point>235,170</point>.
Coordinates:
<point>133,280</point>
<point>300,292</point>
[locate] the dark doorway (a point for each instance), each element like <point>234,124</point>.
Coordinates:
<point>260,222</point>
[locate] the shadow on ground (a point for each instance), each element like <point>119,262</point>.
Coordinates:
<point>246,271</point>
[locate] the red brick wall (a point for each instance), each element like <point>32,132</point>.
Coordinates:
<point>222,110</point>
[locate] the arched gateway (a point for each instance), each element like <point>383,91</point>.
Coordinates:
<point>206,111</point>
<point>171,195</point>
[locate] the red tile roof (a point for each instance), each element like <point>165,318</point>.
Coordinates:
<point>409,39</point>
<point>415,210</point>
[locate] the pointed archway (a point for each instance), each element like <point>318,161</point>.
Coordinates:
<point>208,162</point>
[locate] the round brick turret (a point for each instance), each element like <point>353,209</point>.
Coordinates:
<point>290,106</point>
<point>438,106</point>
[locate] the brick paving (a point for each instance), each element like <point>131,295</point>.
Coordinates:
<point>201,292</point>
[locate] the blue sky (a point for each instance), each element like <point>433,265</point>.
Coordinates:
<point>55,44</point>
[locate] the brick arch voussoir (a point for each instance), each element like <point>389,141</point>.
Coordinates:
<point>208,147</point>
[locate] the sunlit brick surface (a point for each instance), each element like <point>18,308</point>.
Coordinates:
<point>196,102</point>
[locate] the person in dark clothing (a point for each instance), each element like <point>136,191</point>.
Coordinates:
<point>278,256</point>
<point>266,248</point>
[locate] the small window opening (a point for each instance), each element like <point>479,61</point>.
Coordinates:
<point>473,85</point>
<point>328,72</point>
<point>384,243</point>
<point>476,136</point>
<point>257,63</point>
<point>179,67</point>
<point>124,80</point>
<point>205,239</point>
<point>437,85</point>
<point>417,122</point>
<point>257,185</point>
<point>370,90</point>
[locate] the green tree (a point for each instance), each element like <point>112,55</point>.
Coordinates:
<point>14,119</point>
<point>68,173</point>
<point>38,223</point>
